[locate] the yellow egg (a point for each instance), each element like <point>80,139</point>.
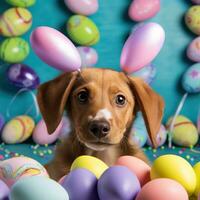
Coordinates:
<point>176,168</point>
<point>96,166</point>
<point>197,172</point>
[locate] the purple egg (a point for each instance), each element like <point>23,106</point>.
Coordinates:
<point>2,121</point>
<point>118,183</point>
<point>4,191</point>
<point>81,184</point>
<point>22,76</point>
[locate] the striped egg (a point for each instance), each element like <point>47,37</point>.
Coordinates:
<point>20,3</point>
<point>15,22</point>
<point>18,129</point>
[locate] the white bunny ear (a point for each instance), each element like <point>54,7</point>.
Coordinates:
<point>142,46</point>
<point>55,49</point>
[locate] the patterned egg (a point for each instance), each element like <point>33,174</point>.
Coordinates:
<point>192,19</point>
<point>2,121</point>
<point>14,50</point>
<point>15,22</point>
<point>13,169</point>
<point>196,1</point>
<point>89,56</point>
<point>83,7</point>
<point>22,76</point>
<point>20,3</point>
<point>82,30</point>
<point>191,79</point>
<point>18,129</point>
<point>193,50</point>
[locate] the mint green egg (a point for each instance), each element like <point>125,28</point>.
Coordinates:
<point>21,3</point>
<point>82,30</point>
<point>14,50</point>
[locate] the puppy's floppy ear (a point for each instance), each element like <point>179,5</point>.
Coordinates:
<point>52,98</point>
<point>150,104</point>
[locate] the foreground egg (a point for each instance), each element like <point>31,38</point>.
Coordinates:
<point>4,191</point>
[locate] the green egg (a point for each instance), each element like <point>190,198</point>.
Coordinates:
<point>21,3</point>
<point>14,50</point>
<point>82,30</point>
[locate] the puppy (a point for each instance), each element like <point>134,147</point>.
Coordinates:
<point>101,104</point>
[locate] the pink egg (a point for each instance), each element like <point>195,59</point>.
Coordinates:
<point>143,9</point>
<point>137,166</point>
<point>196,1</point>
<point>193,50</point>
<point>163,189</point>
<point>83,7</point>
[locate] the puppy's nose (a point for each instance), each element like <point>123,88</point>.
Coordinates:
<point>99,128</point>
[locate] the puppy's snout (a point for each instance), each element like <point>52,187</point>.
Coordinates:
<point>99,129</point>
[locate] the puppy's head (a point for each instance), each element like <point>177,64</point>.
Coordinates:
<point>101,103</point>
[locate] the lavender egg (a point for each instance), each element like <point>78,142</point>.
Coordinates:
<point>4,191</point>
<point>22,76</point>
<point>196,1</point>
<point>193,50</point>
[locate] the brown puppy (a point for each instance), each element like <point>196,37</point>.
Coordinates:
<point>101,104</point>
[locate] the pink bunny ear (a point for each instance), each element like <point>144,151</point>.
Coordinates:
<point>142,46</point>
<point>55,49</point>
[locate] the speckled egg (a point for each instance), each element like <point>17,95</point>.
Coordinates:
<point>18,129</point>
<point>14,50</point>
<point>20,3</point>
<point>193,50</point>
<point>82,30</point>
<point>13,169</point>
<point>191,79</point>
<point>192,19</point>
<point>196,1</point>
<point>15,22</point>
<point>2,121</point>
<point>4,191</point>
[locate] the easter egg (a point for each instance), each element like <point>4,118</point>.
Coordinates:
<point>185,133</point>
<point>196,1</point>
<point>18,129</point>
<point>20,3</point>
<point>66,127</point>
<point>198,122</point>
<point>83,7</point>
<point>191,79</point>
<point>192,19</point>
<point>141,10</point>
<point>15,22</point>
<point>137,166</point>
<point>193,50</point>
<point>83,181</point>
<point>89,56</point>
<point>40,188</point>
<point>176,168</point>
<point>162,189</point>
<point>2,121</point>
<point>118,182</point>
<point>14,50</point>
<point>13,169</point>
<point>82,30</point>
<point>197,172</point>
<point>4,191</point>
<point>22,76</point>
<point>96,166</point>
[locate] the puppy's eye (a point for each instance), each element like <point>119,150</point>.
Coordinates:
<point>120,100</point>
<point>83,96</point>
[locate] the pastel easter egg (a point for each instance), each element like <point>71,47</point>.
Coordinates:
<point>89,56</point>
<point>20,3</point>
<point>4,191</point>
<point>13,169</point>
<point>2,121</point>
<point>36,187</point>
<point>83,181</point>
<point>141,10</point>
<point>118,182</point>
<point>196,1</point>
<point>66,127</point>
<point>197,172</point>
<point>18,129</point>
<point>83,7</point>
<point>176,168</point>
<point>191,79</point>
<point>14,50</point>
<point>193,50</point>
<point>82,30</point>
<point>15,22</point>
<point>185,132</point>
<point>162,189</point>
<point>93,164</point>
<point>198,122</point>
<point>22,76</point>
<point>192,19</point>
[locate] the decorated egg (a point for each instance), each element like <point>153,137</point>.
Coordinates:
<point>118,182</point>
<point>89,56</point>
<point>197,172</point>
<point>196,1</point>
<point>36,187</point>
<point>81,184</point>
<point>13,169</point>
<point>193,50</point>
<point>2,121</point>
<point>93,164</point>
<point>14,50</point>
<point>20,3</point>
<point>83,7</point>
<point>82,30</point>
<point>22,76</point>
<point>192,19</point>
<point>185,133</point>
<point>66,127</point>
<point>141,10</point>
<point>162,189</point>
<point>4,191</point>
<point>176,168</point>
<point>137,166</point>
<point>15,22</point>
<point>18,129</point>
